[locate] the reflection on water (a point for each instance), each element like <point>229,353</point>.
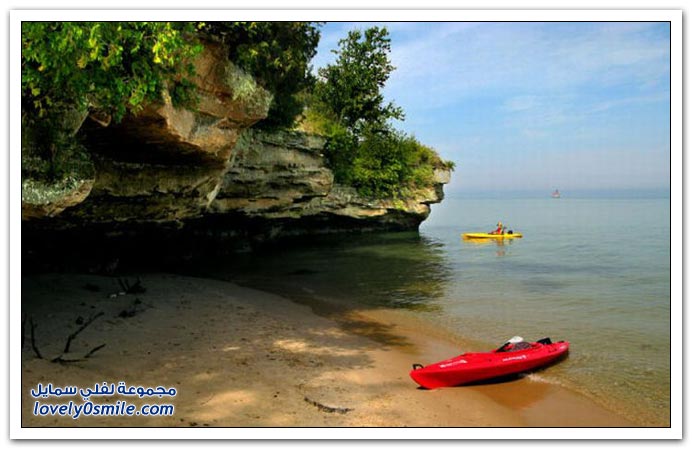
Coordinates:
<point>570,277</point>
<point>389,269</point>
<point>501,244</point>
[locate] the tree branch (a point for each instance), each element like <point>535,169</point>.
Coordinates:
<point>73,335</point>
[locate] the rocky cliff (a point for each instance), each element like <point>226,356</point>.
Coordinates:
<point>206,173</point>
<point>282,177</point>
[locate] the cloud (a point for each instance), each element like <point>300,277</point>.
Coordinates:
<point>542,116</point>
<point>521,103</point>
<point>444,63</point>
<point>456,61</point>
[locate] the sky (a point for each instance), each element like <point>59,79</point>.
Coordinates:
<point>533,106</point>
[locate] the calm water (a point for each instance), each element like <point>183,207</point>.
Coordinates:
<point>595,272</point>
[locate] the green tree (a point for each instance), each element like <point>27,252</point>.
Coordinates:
<point>363,149</point>
<point>71,68</point>
<point>112,66</point>
<point>352,86</point>
<point>278,55</point>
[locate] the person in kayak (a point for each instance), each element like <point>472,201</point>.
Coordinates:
<point>499,229</point>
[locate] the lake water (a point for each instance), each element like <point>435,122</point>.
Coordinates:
<point>595,272</point>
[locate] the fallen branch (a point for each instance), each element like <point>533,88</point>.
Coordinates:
<point>327,408</point>
<point>59,358</point>
<point>73,335</point>
<point>90,353</point>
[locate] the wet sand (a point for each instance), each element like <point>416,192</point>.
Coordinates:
<point>240,357</point>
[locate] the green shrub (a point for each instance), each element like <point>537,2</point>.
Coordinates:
<point>278,55</point>
<point>389,163</point>
<point>347,106</point>
<point>381,164</point>
<point>340,152</point>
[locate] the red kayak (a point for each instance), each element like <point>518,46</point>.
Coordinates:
<point>515,356</point>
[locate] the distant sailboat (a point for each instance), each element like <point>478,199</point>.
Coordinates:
<point>556,194</point>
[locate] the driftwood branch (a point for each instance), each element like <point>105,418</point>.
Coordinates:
<point>73,335</point>
<point>327,408</point>
<point>90,353</point>
<point>60,359</point>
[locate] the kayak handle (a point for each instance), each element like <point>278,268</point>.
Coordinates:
<point>417,366</point>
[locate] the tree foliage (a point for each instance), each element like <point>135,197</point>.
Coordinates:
<point>117,67</point>
<point>69,68</point>
<point>363,149</point>
<point>352,86</point>
<point>113,66</point>
<point>278,55</point>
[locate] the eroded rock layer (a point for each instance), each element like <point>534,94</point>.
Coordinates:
<point>206,175</point>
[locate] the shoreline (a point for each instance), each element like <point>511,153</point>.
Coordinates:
<point>240,357</point>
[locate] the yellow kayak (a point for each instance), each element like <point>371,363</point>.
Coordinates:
<point>483,235</point>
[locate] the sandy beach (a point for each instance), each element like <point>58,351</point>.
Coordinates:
<point>239,357</point>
